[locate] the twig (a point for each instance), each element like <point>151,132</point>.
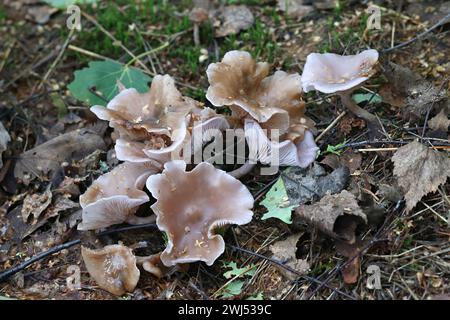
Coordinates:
<point>301,275</point>
<point>58,58</point>
<point>420,36</point>
<point>21,266</point>
<point>331,125</point>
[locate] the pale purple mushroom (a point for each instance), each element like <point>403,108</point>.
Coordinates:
<point>332,73</point>
<point>191,205</point>
<point>115,196</point>
<point>301,152</point>
<point>112,267</point>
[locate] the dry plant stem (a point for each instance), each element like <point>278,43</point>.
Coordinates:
<point>351,105</point>
<point>242,170</point>
<point>142,220</point>
<point>196,34</point>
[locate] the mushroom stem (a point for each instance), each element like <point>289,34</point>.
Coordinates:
<point>196,34</point>
<point>242,170</point>
<point>351,105</point>
<point>141,220</point>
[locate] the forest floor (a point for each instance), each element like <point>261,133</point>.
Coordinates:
<point>38,211</point>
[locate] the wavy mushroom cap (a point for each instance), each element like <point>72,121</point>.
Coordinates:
<point>115,196</point>
<point>244,85</point>
<point>191,205</point>
<point>301,152</point>
<point>157,117</point>
<point>113,268</point>
<point>330,73</point>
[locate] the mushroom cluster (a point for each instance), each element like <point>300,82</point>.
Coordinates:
<point>156,134</point>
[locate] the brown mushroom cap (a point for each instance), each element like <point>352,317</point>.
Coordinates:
<point>155,121</point>
<point>115,196</point>
<point>244,85</point>
<point>191,205</point>
<point>113,268</point>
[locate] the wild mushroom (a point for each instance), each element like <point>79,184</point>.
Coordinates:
<point>197,16</point>
<point>112,267</point>
<point>300,152</point>
<point>332,73</point>
<point>244,85</point>
<point>115,196</point>
<point>191,205</point>
<point>154,122</point>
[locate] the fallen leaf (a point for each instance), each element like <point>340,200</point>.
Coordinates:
<point>4,139</point>
<point>419,171</point>
<point>277,203</point>
<point>49,157</point>
<point>285,251</point>
<point>235,271</point>
<point>306,185</point>
<point>440,122</point>
<point>349,159</point>
<point>102,77</point>
<point>369,98</point>
<point>295,8</point>
<point>41,14</point>
<point>414,94</point>
<point>35,204</point>
<point>337,215</point>
<point>231,20</point>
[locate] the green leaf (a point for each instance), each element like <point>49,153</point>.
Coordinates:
<point>337,149</point>
<point>103,76</point>
<point>258,296</point>
<point>62,4</point>
<point>235,271</point>
<point>367,97</point>
<point>232,289</point>
<point>277,203</point>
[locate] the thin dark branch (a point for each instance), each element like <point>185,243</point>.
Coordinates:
<point>420,36</point>
<point>301,275</point>
<point>21,266</point>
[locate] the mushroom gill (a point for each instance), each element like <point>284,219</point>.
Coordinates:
<point>191,205</point>
<point>115,196</point>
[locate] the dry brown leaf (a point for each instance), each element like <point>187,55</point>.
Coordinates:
<point>232,19</point>
<point>419,171</point>
<point>295,8</point>
<point>284,251</point>
<point>337,215</point>
<point>349,159</point>
<point>49,156</point>
<point>440,121</point>
<point>35,204</point>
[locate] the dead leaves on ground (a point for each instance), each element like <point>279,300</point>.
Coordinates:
<point>50,157</point>
<point>419,171</point>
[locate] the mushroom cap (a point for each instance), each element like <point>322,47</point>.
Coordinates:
<point>301,153</point>
<point>157,118</point>
<point>191,205</point>
<point>112,267</point>
<point>240,82</point>
<point>198,15</point>
<point>330,73</point>
<point>115,196</point>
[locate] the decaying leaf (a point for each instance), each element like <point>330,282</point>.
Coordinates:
<point>295,8</point>
<point>41,13</point>
<point>285,251</point>
<point>49,157</point>
<point>337,215</point>
<point>419,171</point>
<point>277,203</point>
<point>350,159</point>
<point>35,204</point>
<point>304,185</point>
<point>408,90</point>
<point>4,139</point>
<point>232,19</point>
<point>440,122</point>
